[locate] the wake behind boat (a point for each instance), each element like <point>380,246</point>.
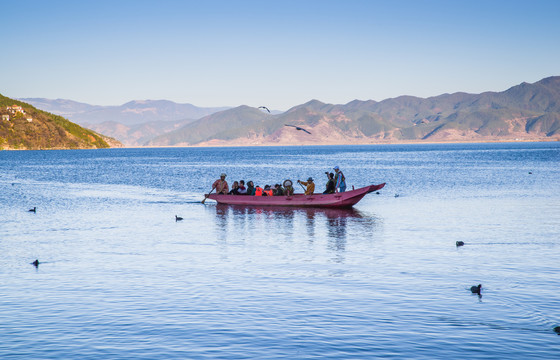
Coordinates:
<point>337,200</point>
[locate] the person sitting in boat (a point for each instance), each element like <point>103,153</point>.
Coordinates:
<point>330,188</point>
<point>221,185</point>
<point>288,188</point>
<point>268,191</point>
<point>310,186</point>
<point>242,189</point>
<point>258,191</point>
<point>250,188</point>
<point>278,191</point>
<point>234,189</point>
<point>339,180</point>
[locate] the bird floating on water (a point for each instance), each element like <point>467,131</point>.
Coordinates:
<point>34,210</point>
<point>265,108</point>
<point>459,243</point>
<point>557,330</point>
<point>298,128</point>
<point>35,263</point>
<point>178,218</point>
<point>476,289</point>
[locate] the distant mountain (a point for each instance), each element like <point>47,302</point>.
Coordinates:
<point>225,125</point>
<point>24,127</point>
<point>132,113</point>
<point>523,112</point>
<point>136,135</point>
<point>132,123</point>
<point>61,107</point>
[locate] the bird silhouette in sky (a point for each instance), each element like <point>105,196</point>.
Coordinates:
<point>264,107</point>
<point>298,128</point>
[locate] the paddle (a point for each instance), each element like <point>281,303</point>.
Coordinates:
<point>304,189</point>
<point>206,196</point>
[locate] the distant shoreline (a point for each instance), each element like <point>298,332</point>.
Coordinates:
<point>407,142</point>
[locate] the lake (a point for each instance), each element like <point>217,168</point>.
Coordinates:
<point>119,278</point>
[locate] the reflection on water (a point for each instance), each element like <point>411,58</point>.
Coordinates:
<point>311,224</point>
<point>282,212</point>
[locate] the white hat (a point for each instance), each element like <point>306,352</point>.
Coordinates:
<point>336,168</point>
<point>223,175</point>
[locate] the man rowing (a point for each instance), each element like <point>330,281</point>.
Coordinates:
<point>310,186</point>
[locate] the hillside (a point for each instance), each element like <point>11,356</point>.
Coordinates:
<point>523,112</point>
<point>24,127</point>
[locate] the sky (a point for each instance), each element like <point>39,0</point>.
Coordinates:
<point>277,54</point>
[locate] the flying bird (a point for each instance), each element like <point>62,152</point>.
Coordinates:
<point>298,128</point>
<point>264,107</point>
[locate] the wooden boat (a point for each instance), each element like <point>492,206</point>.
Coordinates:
<point>338,200</point>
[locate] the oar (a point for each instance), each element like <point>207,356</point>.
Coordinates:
<point>206,196</point>
<point>300,184</point>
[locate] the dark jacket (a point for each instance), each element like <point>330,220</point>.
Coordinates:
<point>330,187</point>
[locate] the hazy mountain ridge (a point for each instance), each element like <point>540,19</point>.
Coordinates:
<point>131,113</point>
<point>133,123</point>
<point>526,111</point>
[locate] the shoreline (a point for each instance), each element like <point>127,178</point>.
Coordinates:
<point>407,142</point>
<point>233,145</point>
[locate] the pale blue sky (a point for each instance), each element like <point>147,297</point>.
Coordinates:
<point>273,53</point>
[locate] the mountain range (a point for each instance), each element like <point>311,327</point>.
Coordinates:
<point>133,123</point>
<point>523,112</point>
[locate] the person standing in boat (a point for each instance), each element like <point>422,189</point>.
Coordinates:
<point>310,186</point>
<point>339,180</point>
<point>221,185</point>
<point>330,188</point>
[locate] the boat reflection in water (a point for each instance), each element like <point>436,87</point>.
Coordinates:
<point>283,224</point>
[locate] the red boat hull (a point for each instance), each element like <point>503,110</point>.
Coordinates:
<point>338,200</point>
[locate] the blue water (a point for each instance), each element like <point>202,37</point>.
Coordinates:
<point>120,279</point>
